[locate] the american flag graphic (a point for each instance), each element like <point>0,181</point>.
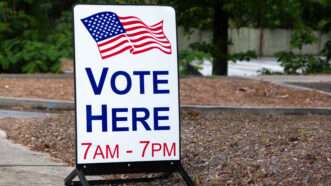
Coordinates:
<point>115,34</point>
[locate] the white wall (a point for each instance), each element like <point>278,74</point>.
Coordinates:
<point>244,39</point>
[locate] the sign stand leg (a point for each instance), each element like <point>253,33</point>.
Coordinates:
<point>185,176</point>
<point>69,179</point>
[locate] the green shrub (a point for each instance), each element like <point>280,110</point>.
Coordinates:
<point>300,63</point>
<point>28,57</point>
<point>62,36</point>
<point>190,61</point>
<point>243,56</point>
<point>304,63</point>
<point>25,48</point>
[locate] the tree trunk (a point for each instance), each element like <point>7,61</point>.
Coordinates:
<point>260,24</point>
<point>220,39</point>
<point>261,41</point>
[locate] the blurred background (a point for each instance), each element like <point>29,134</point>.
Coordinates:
<point>236,37</point>
<point>255,91</point>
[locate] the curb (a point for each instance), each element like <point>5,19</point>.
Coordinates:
<point>69,105</point>
<point>288,84</point>
<point>298,87</point>
<point>263,110</point>
<point>37,103</point>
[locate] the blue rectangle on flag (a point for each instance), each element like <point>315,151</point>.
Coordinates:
<point>103,25</point>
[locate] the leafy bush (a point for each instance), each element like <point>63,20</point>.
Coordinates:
<point>28,57</point>
<point>327,51</point>
<point>243,56</point>
<point>190,61</point>
<point>304,63</point>
<point>62,37</point>
<point>302,36</point>
<point>267,71</point>
<point>25,46</point>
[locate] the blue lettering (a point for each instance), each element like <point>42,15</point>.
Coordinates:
<point>90,118</point>
<point>113,82</point>
<point>141,119</point>
<point>157,81</point>
<point>141,75</point>
<point>116,119</point>
<point>157,118</point>
<point>97,88</point>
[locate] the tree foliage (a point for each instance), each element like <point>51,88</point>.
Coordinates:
<point>35,34</point>
<point>313,15</point>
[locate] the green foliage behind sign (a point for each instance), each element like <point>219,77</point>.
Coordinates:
<point>36,34</point>
<point>28,42</point>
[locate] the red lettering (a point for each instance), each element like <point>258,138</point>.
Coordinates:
<point>166,150</point>
<point>156,147</point>
<point>87,148</point>
<point>98,152</point>
<point>111,154</point>
<point>145,147</point>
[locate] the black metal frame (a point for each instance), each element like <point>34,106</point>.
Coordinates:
<point>165,173</point>
<point>166,167</point>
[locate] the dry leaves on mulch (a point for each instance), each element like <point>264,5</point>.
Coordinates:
<point>218,148</point>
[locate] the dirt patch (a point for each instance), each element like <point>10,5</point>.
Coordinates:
<point>238,92</point>
<point>203,91</point>
<point>218,148</point>
<point>62,89</point>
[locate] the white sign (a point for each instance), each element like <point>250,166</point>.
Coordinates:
<point>126,79</point>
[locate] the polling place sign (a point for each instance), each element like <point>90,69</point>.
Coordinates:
<point>126,82</point>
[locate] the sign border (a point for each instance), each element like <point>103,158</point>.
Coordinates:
<point>126,167</point>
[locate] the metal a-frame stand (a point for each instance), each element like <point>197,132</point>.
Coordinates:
<point>69,180</point>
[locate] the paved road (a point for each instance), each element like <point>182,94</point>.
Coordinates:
<point>322,86</point>
<point>246,68</point>
<point>295,78</point>
<point>20,166</point>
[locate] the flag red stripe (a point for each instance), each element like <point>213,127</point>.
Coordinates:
<point>127,17</point>
<point>112,40</point>
<point>145,32</point>
<point>137,27</point>
<point>118,52</point>
<point>139,36</point>
<point>148,37</point>
<point>156,33</point>
<point>161,22</point>
<point>114,46</point>
<point>137,20</point>
<point>150,42</point>
<point>140,23</point>
<point>150,48</point>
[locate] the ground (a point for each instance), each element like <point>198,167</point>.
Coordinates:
<point>217,148</point>
<point>219,91</point>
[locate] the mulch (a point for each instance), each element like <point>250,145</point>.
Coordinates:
<point>194,90</point>
<point>217,148</point>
